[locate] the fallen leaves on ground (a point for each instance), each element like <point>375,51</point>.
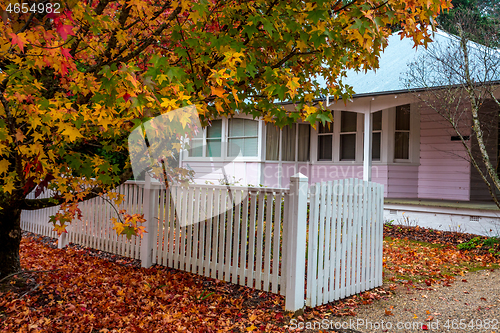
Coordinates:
<point>413,254</point>
<point>83,290</point>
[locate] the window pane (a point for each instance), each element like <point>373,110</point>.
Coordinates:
<point>272,142</point>
<point>403,117</point>
<point>215,130</point>
<point>325,148</point>
<point>402,144</point>
<point>348,121</point>
<point>348,147</point>
<point>236,127</point>
<point>214,148</point>
<point>327,128</point>
<point>288,145</point>
<point>376,146</point>
<point>377,121</point>
<point>250,147</point>
<point>235,146</point>
<point>251,127</point>
<point>304,139</point>
<point>247,146</point>
<point>196,148</point>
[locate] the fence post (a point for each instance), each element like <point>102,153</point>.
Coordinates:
<point>296,243</point>
<point>148,238</point>
<point>62,240</point>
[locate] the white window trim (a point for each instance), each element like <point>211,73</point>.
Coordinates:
<point>386,141</point>
<point>382,147</point>
<point>414,138</point>
<point>357,136</point>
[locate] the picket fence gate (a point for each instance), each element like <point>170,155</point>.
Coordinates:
<point>262,238</point>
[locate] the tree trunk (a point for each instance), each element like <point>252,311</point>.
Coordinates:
<point>10,239</point>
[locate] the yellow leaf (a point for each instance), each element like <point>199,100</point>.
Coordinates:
<point>8,187</point>
<point>4,165</point>
<point>161,78</point>
<point>72,133</point>
<point>119,228</point>
<point>169,103</point>
<point>251,328</point>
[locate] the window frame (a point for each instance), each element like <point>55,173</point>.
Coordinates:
<point>228,138</point>
<point>332,136</point>
<point>224,141</point>
<point>409,131</point>
<point>356,126</point>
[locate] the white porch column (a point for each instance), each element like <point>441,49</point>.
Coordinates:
<point>367,148</point>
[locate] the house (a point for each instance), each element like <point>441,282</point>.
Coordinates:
<point>414,152</point>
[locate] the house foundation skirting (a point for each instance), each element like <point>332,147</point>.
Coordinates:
<point>475,221</point>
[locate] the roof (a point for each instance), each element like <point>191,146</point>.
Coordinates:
<point>393,65</point>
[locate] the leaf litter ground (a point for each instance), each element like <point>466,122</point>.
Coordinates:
<point>83,290</point>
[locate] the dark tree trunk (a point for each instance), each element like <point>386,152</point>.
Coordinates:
<point>10,239</point>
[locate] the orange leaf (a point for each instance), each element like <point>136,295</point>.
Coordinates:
<point>19,135</point>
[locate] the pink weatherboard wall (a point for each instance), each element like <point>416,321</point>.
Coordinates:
<point>444,173</point>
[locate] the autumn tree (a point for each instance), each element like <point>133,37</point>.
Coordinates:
<point>77,76</point>
<point>460,80</point>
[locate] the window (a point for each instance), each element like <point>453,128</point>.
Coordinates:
<point>288,134</point>
<point>272,142</point>
<point>376,135</point>
<point>402,133</point>
<point>243,137</point>
<point>196,145</point>
<point>289,142</point>
<point>214,138</point>
<point>207,143</point>
<point>304,135</point>
<point>325,142</point>
<point>348,127</point>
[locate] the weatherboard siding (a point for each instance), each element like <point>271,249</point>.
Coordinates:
<point>444,170</point>
<point>402,181</point>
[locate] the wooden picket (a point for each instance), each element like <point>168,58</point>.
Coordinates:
<point>254,237</point>
<point>95,229</point>
<point>344,239</point>
<point>36,221</point>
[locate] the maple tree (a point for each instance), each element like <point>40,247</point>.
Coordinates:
<point>73,84</point>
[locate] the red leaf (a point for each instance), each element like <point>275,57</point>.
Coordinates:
<point>65,30</point>
<point>425,328</point>
<point>65,53</point>
<point>18,40</point>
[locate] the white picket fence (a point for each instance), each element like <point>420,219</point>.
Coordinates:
<point>345,239</point>
<point>255,237</point>
<point>95,229</point>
